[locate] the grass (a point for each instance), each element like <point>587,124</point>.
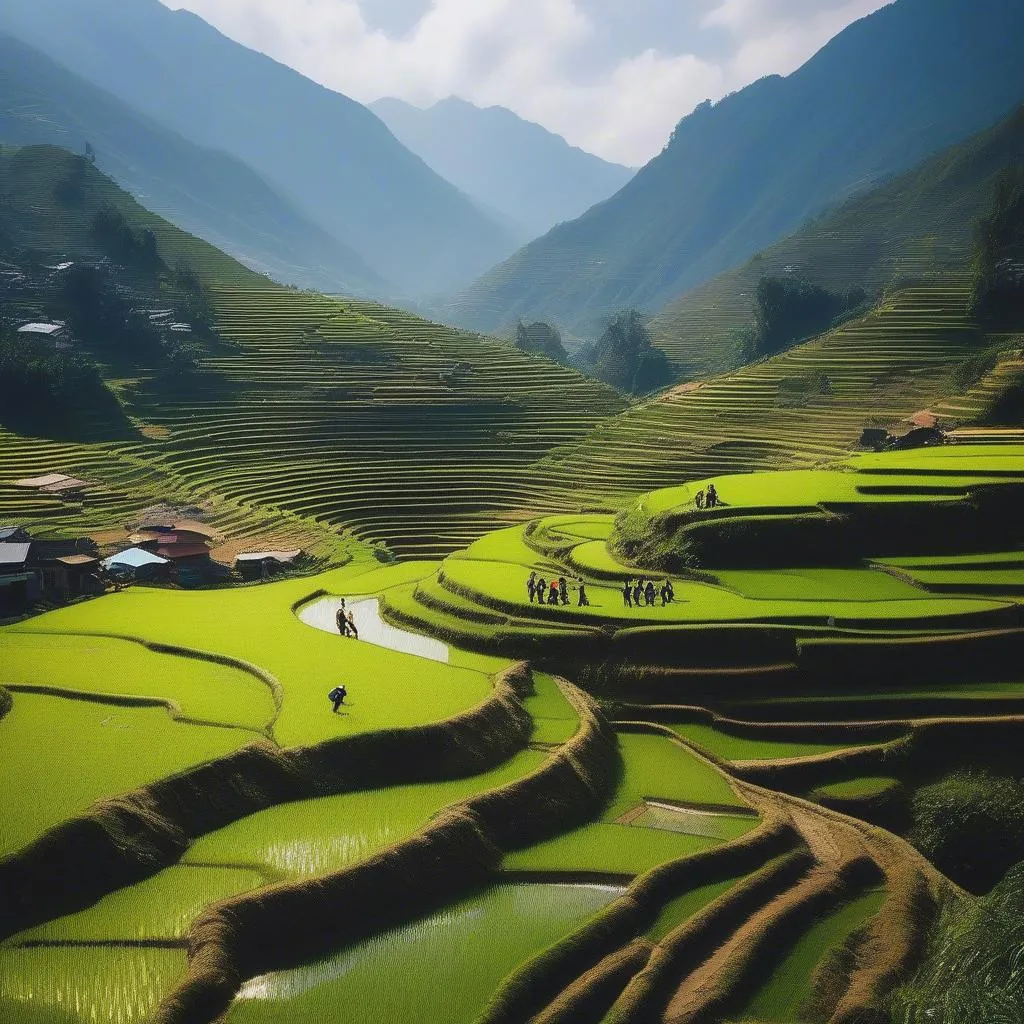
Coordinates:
<point>683,907</point>
<point>75,985</point>
<point>441,970</point>
<point>863,788</point>
<point>780,999</point>
<point>161,907</point>
<point>97,750</point>
<point>742,748</point>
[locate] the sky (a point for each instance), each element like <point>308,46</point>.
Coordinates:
<point>611,76</point>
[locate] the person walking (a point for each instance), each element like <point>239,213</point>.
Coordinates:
<point>670,590</point>
<point>583,602</point>
<point>553,596</point>
<point>542,590</point>
<point>531,586</point>
<point>627,594</point>
<point>352,625</point>
<point>649,593</point>
<point>664,594</point>
<point>638,593</point>
<point>340,619</point>
<point>563,590</point>
<point>337,697</point>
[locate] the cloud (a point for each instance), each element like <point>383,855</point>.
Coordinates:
<point>567,64</point>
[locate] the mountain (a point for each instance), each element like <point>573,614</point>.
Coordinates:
<point>529,175</point>
<point>330,156</point>
<point>912,227</point>
<point>205,192</point>
<point>738,175</point>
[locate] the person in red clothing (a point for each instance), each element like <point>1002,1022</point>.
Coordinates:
<point>553,593</point>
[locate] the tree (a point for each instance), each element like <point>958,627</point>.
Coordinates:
<point>541,339</point>
<point>625,357</point>
<point>998,291</point>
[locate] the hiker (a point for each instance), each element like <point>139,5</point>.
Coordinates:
<point>638,593</point>
<point>712,498</point>
<point>649,593</point>
<point>627,594</point>
<point>563,590</point>
<point>337,697</point>
<point>531,586</point>
<point>553,596</point>
<point>340,620</point>
<point>699,499</point>
<point>352,625</point>
<point>583,602</point>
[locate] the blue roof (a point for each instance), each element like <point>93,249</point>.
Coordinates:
<point>134,558</point>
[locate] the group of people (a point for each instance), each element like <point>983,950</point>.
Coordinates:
<point>645,593</point>
<point>346,622</point>
<point>555,591</point>
<point>708,499</point>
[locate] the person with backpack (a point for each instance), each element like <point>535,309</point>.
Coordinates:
<point>337,697</point>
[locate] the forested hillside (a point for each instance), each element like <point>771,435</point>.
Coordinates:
<point>736,176</point>
<point>330,156</point>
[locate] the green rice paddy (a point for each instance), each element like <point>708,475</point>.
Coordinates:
<point>443,968</point>
<point>744,748</point>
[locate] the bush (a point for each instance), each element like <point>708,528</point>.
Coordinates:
<point>971,825</point>
<point>625,357</point>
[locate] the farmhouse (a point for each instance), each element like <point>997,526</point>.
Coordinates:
<point>259,564</point>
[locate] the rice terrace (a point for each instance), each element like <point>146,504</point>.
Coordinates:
<point>410,618</point>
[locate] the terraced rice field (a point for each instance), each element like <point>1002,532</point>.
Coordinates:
<point>472,840</point>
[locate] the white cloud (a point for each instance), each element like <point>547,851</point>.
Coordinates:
<point>532,56</point>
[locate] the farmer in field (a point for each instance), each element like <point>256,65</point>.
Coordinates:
<point>649,593</point>
<point>563,590</point>
<point>341,619</point>
<point>638,593</point>
<point>583,602</point>
<point>352,626</point>
<point>553,596</point>
<point>531,586</point>
<point>627,594</point>
<point>712,498</point>
<point>337,697</point>
<point>699,499</point>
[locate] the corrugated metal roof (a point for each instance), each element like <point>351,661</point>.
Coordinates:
<point>15,553</point>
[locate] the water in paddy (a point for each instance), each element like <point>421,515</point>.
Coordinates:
<point>440,970</point>
<point>693,821</point>
<point>372,628</point>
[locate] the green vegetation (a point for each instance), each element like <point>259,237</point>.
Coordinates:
<point>999,253</point>
<point>970,824</point>
<point>624,357</point>
<point>786,993</point>
<point>442,968</point>
<point>747,748</point>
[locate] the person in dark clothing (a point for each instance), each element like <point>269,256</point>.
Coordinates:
<point>553,595</point>
<point>699,500</point>
<point>341,620</point>
<point>649,593</point>
<point>542,590</point>
<point>712,498</point>
<point>670,590</point>
<point>337,697</point>
<point>563,590</point>
<point>352,626</point>
<point>583,601</point>
<point>531,586</point>
<point>627,594</point>
<point>664,594</point>
<point>638,594</point>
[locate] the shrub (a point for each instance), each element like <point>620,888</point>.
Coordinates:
<point>971,825</point>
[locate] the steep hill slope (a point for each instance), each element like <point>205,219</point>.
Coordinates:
<point>203,191</point>
<point>309,422</point>
<point>888,91</point>
<point>333,158</point>
<point>920,223</point>
<point>529,175</point>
